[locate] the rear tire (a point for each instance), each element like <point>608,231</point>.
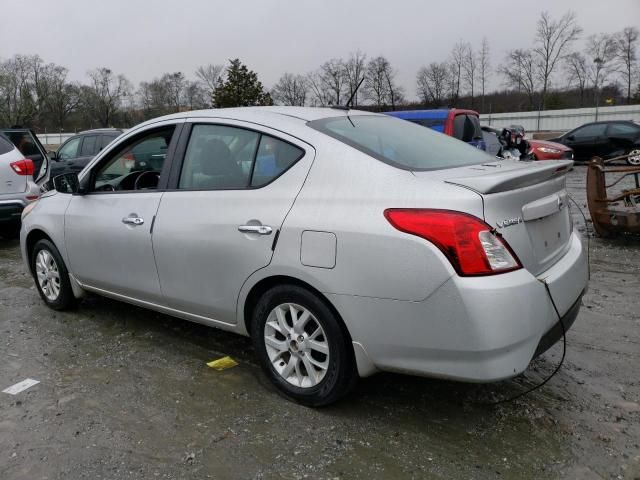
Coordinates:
<point>302,346</point>
<point>51,276</point>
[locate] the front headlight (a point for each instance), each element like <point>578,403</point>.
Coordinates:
<point>27,210</point>
<point>549,150</point>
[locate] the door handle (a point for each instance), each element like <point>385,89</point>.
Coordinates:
<point>133,220</point>
<point>259,229</point>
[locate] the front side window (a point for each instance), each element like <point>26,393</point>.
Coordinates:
<point>589,131</point>
<point>400,143</point>
<point>70,149</point>
<point>220,157</point>
<point>137,164</point>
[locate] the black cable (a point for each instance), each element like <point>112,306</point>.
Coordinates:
<point>564,352</point>
<point>564,330</point>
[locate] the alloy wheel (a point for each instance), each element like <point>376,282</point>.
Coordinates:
<point>297,345</point>
<point>48,275</point>
<point>634,157</point>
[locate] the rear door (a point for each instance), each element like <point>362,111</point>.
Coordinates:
<point>218,222</point>
<point>621,137</point>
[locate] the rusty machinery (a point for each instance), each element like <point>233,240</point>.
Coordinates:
<point>620,212</point>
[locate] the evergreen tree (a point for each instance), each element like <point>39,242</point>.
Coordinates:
<point>241,88</point>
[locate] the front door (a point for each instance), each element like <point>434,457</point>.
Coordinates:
<point>218,223</point>
<point>108,229</point>
<point>587,141</point>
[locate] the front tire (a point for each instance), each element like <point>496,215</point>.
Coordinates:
<point>302,346</point>
<point>634,157</point>
<point>51,276</point>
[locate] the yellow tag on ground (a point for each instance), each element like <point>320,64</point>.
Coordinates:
<point>222,363</point>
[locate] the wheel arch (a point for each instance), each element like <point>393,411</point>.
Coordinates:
<point>33,237</point>
<point>264,284</point>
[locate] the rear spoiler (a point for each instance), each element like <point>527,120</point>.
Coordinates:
<point>525,174</point>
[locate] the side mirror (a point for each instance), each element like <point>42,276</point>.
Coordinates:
<point>67,183</point>
<point>53,155</point>
<point>571,138</point>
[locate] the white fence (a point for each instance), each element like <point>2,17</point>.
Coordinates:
<point>54,138</point>
<point>561,120</point>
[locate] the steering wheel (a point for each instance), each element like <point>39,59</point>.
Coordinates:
<point>152,180</point>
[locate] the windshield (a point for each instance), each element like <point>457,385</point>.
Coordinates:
<point>400,143</point>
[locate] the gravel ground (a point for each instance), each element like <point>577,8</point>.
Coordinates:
<point>125,393</point>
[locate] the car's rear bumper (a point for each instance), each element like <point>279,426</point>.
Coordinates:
<point>477,329</point>
<point>11,210</point>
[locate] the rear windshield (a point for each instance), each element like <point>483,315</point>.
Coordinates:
<point>400,143</point>
<point>5,145</point>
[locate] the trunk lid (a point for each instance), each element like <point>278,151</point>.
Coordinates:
<point>526,202</point>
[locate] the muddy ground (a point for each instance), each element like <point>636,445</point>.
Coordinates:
<point>125,393</point>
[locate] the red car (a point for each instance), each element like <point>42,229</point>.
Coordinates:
<point>545,150</point>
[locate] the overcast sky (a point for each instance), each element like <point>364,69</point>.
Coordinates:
<point>143,39</point>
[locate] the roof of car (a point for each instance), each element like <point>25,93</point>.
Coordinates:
<point>253,113</point>
<point>101,130</point>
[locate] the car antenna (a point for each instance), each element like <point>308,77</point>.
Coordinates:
<point>347,106</point>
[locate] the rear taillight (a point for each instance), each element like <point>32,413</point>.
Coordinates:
<point>472,246</point>
<point>23,167</point>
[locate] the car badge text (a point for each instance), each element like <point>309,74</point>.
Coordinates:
<point>507,222</point>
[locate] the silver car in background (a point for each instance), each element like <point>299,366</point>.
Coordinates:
<point>343,242</point>
<point>18,187</point>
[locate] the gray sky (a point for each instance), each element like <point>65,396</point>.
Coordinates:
<point>144,39</point>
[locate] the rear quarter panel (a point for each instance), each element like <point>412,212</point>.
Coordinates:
<point>346,194</point>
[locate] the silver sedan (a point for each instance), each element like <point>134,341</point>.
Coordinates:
<point>343,242</point>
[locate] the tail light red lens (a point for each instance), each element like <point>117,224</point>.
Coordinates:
<point>23,167</point>
<point>472,247</point>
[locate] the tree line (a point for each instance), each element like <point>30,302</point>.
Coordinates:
<point>550,74</point>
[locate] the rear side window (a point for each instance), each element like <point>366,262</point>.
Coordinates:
<point>88,146</point>
<point>273,158</point>
<point>623,129</point>
<point>5,145</point>
<point>400,143</point>
<point>220,157</point>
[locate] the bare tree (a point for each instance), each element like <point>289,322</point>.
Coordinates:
<point>469,70</point>
<point>333,78</point>
<point>433,82</point>
<point>63,97</point>
<point>601,50</point>
<point>484,68</point>
<point>209,75</point>
<point>195,96</point>
<point>104,95</point>
<point>354,69</point>
<point>175,85</point>
<point>291,90</point>
<point>457,61</point>
<point>17,106</point>
<point>319,93</point>
<point>627,42</point>
<point>379,84</point>
<point>577,74</point>
<point>552,39</point>
<point>519,72</point>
